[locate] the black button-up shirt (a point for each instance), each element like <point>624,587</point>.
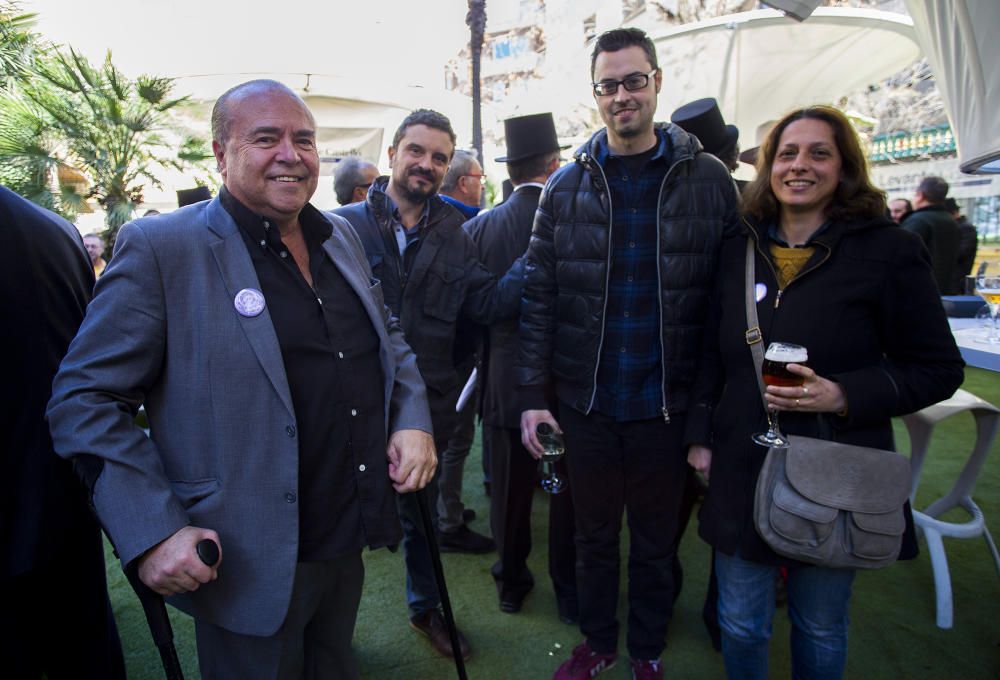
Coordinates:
<point>331,357</point>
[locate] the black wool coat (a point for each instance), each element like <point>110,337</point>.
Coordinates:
<point>867,309</point>
<point>501,236</point>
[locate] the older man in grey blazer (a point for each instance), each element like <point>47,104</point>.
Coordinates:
<point>283,403</point>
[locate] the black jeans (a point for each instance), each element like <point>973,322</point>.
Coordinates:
<point>638,467</point>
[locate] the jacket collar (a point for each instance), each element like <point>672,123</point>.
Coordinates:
<point>381,204</point>
<point>682,144</point>
<point>828,237</point>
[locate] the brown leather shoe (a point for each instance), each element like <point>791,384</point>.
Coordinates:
<point>431,625</point>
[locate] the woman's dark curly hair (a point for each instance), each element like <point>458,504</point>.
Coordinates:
<point>855,196</point>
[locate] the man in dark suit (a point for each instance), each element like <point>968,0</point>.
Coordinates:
<point>246,325</point>
<point>501,236</point>
<point>49,623</point>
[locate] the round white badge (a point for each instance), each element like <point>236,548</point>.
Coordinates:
<point>760,291</point>
<point>249,302</point>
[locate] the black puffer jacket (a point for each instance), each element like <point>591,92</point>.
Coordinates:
<point>866,307</point>
<point>569,260</point>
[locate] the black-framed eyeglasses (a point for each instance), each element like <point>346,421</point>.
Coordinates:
<point>632,83</point>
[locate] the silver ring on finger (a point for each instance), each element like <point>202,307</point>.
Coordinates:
<point>805,391</point>
<point>796,403</point>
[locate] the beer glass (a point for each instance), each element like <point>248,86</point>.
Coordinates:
<point>554,448</point>
<point>988,287</point>
<point>775,372</point>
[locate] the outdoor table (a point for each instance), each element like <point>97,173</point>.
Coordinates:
<point>978,354</point>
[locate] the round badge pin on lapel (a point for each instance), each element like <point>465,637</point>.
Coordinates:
<point>249,302</point>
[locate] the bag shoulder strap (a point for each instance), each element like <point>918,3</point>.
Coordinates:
<point>754,337</point>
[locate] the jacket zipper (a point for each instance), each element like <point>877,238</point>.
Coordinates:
<point>781,291</point>
<point>659,291</point>
<point>586,159</point>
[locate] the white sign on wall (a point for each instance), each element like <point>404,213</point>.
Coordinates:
<point>901,180</point>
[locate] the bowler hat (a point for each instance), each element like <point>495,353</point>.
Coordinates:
<point>189,196</point>
<point>763,130</point>
<point>528,136</point>
<point>703,119</point>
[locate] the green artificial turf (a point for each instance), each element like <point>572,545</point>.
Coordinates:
<point>893,634</point>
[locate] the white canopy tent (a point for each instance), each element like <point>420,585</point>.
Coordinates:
<point>959,38</point>
<point>761,64</point>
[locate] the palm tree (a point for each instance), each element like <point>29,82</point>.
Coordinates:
<point>59,112</point>
<point>117,130</point>
<point>476,21</point>
<point>17,44</point>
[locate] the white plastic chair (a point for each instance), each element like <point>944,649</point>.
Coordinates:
<point>921,425</point>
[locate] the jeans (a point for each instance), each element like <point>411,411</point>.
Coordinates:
<point>818,601</point>
<point>421,588</point>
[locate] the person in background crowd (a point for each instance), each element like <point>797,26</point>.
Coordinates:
<point>899,209</point>
<point>703,119</point>
<point>431,278</point>
<point>351,178</point>
<point>237,322</point>
<point>462,186</point>
<point>50,625</point>
<point>968,244</point>
<point>620,270</point>
<point>501,236</point>
<point>938,229</point>
<point>95,249</point>
<point>198,194</point>
<point>859,295</point>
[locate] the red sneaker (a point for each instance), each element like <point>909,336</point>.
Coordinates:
<point>647,670</point>
<point>584,664</point>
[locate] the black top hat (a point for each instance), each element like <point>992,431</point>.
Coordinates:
<point>528,136</point>
<point>189,196</point>
<point>703,119</point>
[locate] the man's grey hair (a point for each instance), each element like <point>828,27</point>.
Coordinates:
<point>220,112</point>
<point>461,164</point>
<point>346,176</point>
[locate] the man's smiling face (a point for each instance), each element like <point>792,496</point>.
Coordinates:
<point>626,114</point>
<point>269,161</point>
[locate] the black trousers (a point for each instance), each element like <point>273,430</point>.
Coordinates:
<point>638,467</point>
<point>512,470</point>
<point>57,619</point>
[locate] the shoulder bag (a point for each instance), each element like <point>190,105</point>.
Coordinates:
<point>823,502</point>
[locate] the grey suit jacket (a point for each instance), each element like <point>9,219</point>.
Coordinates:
<point>223,450</point>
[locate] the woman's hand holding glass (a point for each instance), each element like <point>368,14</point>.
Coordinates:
<point>816,394</point>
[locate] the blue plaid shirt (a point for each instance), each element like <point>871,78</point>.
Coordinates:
<point>630,373</point>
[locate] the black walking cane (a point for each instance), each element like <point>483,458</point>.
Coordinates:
<point>156,611</point>
<point>449,619</point>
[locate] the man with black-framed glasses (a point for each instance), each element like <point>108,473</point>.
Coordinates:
<point>620,269</point>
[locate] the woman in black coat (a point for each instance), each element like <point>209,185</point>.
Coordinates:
<point>833,275</point>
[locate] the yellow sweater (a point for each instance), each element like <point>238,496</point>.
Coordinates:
<point>788,262</point>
